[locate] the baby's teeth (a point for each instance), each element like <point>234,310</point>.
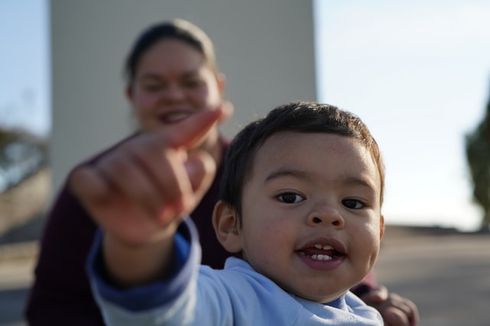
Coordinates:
<point>325,247</point>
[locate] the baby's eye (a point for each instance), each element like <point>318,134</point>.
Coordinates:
<point>290,198</point>
<point>353,203</point>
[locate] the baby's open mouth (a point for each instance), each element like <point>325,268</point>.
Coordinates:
<point>319,252</point>
<point>323,254</point>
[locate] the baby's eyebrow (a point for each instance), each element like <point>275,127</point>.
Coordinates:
<point>359,181</point>
<point>295,173</point>
<point>285,172</point>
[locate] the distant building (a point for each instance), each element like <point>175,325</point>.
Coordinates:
<point>265,49</point>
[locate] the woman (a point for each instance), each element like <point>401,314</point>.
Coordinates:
<point>171,74</point>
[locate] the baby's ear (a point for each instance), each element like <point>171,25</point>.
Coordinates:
<point>382,227</point>
<point>226,227</point>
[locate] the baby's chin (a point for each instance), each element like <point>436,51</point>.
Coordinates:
<point>322,298</point>
<point>317,294</point>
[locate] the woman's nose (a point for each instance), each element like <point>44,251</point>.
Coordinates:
<point>173,93</point>
<point>325,215</point>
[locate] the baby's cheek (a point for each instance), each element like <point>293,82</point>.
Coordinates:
<point>265,244</point>
<point>367,241</point>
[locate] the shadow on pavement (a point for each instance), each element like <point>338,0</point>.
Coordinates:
<point>12,306</point>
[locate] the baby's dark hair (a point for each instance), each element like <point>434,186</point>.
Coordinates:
<point>177,29</point>
<point>302,117</point>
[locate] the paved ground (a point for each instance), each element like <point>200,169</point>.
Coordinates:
<point>447,275</point>
<point>16,265</point>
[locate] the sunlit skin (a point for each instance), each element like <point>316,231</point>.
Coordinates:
<point>173,81</point>
<point>306,190</point>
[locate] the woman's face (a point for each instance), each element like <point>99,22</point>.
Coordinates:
<point>172,81</point>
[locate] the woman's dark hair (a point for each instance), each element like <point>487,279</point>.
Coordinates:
<point>303,117</point>
<point>176,29</point>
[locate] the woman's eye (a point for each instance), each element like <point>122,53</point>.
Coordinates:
<point>290,198</point>
<point>152,87</point>
<point>192,83</point>
<point>353,203</point>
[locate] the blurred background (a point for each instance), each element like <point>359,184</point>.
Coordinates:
<point>418,73</point>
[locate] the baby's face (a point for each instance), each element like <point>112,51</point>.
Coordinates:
<point>311,213</point>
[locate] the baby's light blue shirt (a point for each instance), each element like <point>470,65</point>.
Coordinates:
<point>199,295</point>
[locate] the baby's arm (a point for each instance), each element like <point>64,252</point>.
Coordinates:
<point>167,301</point>
<point>139,193</point>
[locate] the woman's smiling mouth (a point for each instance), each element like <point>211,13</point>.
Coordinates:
<point>174,116</point>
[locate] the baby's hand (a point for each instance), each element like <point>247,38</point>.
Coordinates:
<point>139,192</point>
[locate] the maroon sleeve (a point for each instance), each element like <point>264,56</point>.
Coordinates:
<point>61,293</point>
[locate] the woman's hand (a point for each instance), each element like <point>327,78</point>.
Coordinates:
<point>395,310</point>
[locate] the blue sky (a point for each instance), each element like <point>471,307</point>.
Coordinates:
<point>24,59</point>
<point>417,72</point>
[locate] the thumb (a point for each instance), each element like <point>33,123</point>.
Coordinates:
<point>201,169</point>
<point>227,109</point>
<point>376,295</point>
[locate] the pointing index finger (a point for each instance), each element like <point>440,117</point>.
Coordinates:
<point>191,131</point>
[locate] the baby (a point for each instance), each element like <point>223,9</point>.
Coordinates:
<point>300,208</point>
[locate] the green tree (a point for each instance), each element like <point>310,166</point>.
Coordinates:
<point>478,157</point>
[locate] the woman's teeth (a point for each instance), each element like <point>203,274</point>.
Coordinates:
<point>321,257</point>
<point>174,117</point>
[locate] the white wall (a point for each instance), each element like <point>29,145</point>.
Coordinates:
<point>264,47</point>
